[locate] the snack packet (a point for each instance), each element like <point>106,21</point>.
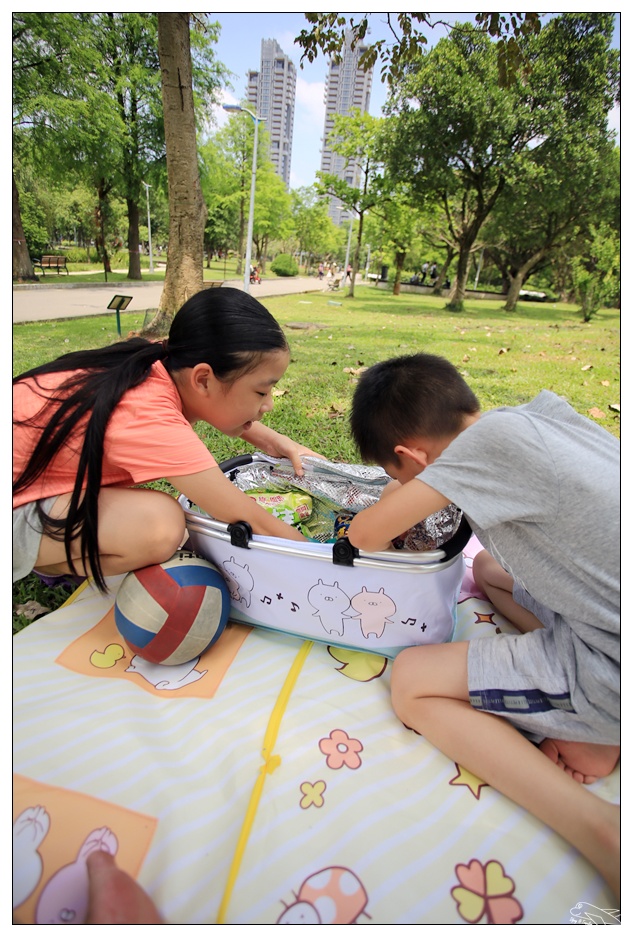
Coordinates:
<point>292,507</point>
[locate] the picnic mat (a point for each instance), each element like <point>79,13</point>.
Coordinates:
<point>268,783</point>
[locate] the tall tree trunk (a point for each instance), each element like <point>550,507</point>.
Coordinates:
<point>443,273</point>
<point>356,256</point>
<point>518,278</point>
<point>400,256</point>
<point>101,210</point>
<point>22,266</point>
<point>457,294</point>
<point>133,240</point>
<point>187,210</point>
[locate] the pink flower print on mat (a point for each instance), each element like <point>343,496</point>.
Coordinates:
<point>312,794</point>
<point>485,890</point>
<point>341,750</point>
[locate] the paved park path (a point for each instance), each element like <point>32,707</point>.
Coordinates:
<point>44,301</point>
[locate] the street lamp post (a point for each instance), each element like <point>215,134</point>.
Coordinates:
<point>251,216</point>
<point>151,256</point>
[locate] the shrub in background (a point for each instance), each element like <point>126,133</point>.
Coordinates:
<point>284,265</point>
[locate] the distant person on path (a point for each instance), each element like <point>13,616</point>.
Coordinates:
<point>321,271</point>
<point>92,425</point>
<point>424,273</point>
<point>434,274</point>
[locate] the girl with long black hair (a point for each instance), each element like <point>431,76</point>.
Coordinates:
<point>91,425</point>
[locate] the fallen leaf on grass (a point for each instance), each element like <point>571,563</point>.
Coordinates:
<point>277,392</point>
<point>605,383</point>
<point>335,413</point>
<point>596,413</point>
<point>587,367</point>
<point>31,609</point>
<point>615,406</point>
<point>503,350</point>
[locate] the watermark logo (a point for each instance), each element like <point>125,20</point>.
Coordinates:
<point>590,915</point>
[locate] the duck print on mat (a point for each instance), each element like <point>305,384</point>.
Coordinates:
<point>333,895</point>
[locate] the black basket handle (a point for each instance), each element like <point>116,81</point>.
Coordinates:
<point>237,461</point>
<point>458,542</point>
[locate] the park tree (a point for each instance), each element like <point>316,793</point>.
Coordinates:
<point>596,269</point>
<point>356,137</point>
<point>401,229</point>
<point>218,181</point>
<point>273,211</point>
<point>570,181</point>
<point>45,71</point>
<point>316,233</point>
<point>458,136</point>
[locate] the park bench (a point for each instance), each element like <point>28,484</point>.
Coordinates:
<point>334,282</point>
<point>51,263</point>
<point>213,284</point>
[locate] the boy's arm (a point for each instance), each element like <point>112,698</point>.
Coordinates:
<point>374,528</point>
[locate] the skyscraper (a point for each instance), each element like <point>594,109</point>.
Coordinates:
<point>271,92</point>
<point>347,87</point>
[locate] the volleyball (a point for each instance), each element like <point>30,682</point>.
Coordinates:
<point>172,612</point>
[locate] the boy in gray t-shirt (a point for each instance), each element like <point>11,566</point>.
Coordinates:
<point>539,485</point>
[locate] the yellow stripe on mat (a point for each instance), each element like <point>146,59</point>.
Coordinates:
<point>270,763</point>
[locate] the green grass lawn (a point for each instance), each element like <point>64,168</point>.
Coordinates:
<point>506,358</point>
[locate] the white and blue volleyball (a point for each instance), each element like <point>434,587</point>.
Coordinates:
<point>172,612</point>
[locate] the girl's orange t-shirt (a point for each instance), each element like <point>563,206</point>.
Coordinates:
<point>148,437</point>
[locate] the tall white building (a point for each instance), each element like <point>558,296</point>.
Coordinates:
<point>271,94</point>
<point>347,87</point>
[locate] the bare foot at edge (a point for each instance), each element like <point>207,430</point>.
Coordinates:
<point>583,761</point>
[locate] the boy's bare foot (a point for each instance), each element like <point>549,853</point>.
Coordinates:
<point>583,761</point>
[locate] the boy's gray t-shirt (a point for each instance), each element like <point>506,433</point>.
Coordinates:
<point>540,486</point>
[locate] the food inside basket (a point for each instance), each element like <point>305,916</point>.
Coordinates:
<point>332,493</point>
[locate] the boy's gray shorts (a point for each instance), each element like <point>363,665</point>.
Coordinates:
<point>532,680</point>
<point>27,536</point>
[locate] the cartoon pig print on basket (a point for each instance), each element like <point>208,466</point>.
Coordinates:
<point>374,610</point>
<point>331,603</point>
<point>333,895</point>
<point>240,582</point>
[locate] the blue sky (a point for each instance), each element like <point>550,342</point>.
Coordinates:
<point>239,48</point>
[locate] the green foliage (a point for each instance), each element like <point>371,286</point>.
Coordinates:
<point>330,31</point>
<point>596,273</point>
<point>34,224</point>
<point>284,265</point>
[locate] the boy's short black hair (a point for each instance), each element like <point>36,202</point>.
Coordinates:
<point>408,397</point>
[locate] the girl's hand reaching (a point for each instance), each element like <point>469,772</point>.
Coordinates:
<point>277,445</point>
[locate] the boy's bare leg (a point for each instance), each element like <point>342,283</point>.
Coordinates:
<point>497,585</point>
<point>584,762</point>
<point>137,527</point>
<point>430,695</point>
